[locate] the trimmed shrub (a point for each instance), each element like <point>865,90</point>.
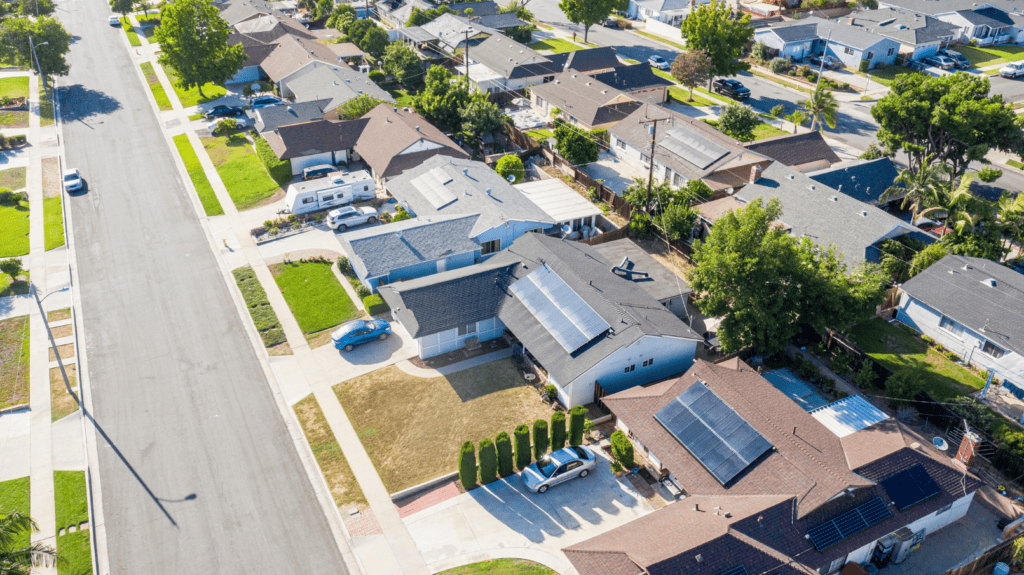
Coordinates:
<point>280,170</point>
<point>864,65</point>
<point>927,339</point>
<point>551,391</point>
<point>540,438</point>
<point>759,52</point>
<point>467,466</point>
<point>778,65</point>
<point>808,370</point>
<point>523,455</point>
<point>557,430</point>
<point>622,449</point>
<point>488,462</point>
<point>503,444</point>
<point>902,386</point>
<point>375,304</point>
<point>577,416</point>
<point>363,291</point>
<point>344,266</point>
<point>376,76</point>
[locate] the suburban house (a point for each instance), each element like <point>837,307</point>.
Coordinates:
<point>451,32</point>
<point>919,35</point>
<point>269,28</point>
<point>295,56</point>
<point>583,101</point>
<point>862,180</point>
<point>802,152</point>
<point>633,263</point>
<point>803,38</point>
<point>591,330</point>
<point>973,307</point>
<point>397,139</point>
<point>771,488</point>
<point>826,215</point>
<point>399,11</point>
<point>237,11</point>
<point>987,22</point>
<point>685,149</point>
<point>270,118</point>
<point>255,53</point>
<point>338,83</point>
<point>316,142</point>
<point>637,80</point>
<point>671,12</point>
<point>501,64</point>
<point>709,212</point>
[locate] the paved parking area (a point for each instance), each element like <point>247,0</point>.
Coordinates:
<point>503,516</point>
<point>617,175</point>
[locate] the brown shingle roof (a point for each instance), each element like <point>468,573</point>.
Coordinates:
<point>796,149</point>
<point>256,51</point>
<point>867,445</point>
<point>389,132</point>
<point>582,97</point>
<point>272,27</point>
<point>293,53</point>
<point>315,137</point>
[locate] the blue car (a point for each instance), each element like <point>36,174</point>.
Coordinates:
<point>357,332</point>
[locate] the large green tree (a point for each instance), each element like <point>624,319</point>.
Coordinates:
<point>588,12</point>
<point>692,68</point>
<point>575,145</point>
<point>14,44</point>
<point>193,39</point>
<point>919,189</point>
<point>481,116</point>
<point>442,100</point>
<point>711,28</point>
<point>401,62</point>
<point>951,120</point>
<point>374,42</point>
<point>122,7</point>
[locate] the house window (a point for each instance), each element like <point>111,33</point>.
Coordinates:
<point>648,362</point>
<point>837,564</point>
<point>573,120</point>
<point>467,329</point>
<point>645,158</point>
<point>677,181</point>
<point>540,101</point>
<point>668,173</point>
<point>891,51</point>
<point>620,143</point>
<point>366,188</point>
<point>944,508</point>
<point>848,51</point>
<point>629,368</point>
<point>951,326</point>
<point>490,247</point>
<point>871,56</point>
<point>992,349</point>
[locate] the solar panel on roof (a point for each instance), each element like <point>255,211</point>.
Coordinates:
<point>910,487</point>
<point>695,149</point>
<point>722,441</point>
<point>849,524</point>
<point>566,316</point>
<point>431,185</point>
<point>738,570</point>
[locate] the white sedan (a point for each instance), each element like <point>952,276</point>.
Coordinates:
<point>1012,70</point>
<point>73,180</point>
<point>658,62</point>
<point>239,123</point>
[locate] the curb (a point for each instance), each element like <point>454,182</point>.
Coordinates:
<point>14,408</point>
<point>426,485</point>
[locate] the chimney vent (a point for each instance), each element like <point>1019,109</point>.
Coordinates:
<point>699,558</point>
<point>835,198</point>
<point>990,282</point>
<point>864,213</point>
<point>968,448</point>
<point>417,128</point>
<point>791,177</point>
<point>755,173</point>
<point>850,21</point>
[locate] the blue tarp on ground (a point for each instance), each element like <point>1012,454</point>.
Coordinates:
<point>800,392</point>
<point>1014,390</point>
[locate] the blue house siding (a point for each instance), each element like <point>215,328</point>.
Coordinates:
<point>510,233</point>
<point>422,269</point>
<point>620,381</point>
<point>849,56</point>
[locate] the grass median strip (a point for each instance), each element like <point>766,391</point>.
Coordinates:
<point>211,205</point>
<point>314,294</point>
<point>14,496</point>
<point>340,479</point>
<point>247,181</point>
<point>53,223</point>
<point>76,549</point>
<point>681,94</point>
<point>45,106</point>
<point>69,498</point>
<point>263,315</point>
<point>133,38</point>
<point>62,403</point>
<point>159,94</point>
<point>657,38</point>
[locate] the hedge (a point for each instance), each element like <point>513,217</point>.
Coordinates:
<point>375,304</point>
<point>540,438</point>
<point>503,443</point>
<point>557,430</point>
<point>522,435</point>
<point>577,417</point>
<point>263,316</point>
<point>488,462</point>
<point>467,466</point>
<point>622,449</point>
<point>280,170</point>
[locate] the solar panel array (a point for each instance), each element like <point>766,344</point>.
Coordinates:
<point>566,316</point>
<point>910,487</point>
<point>849,524</point>
<point>722,441</point>
<point>740,570</point>
<point>431,185</point>
<point>695,149</point>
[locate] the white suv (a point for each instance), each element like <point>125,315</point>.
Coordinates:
<point>342,219</point>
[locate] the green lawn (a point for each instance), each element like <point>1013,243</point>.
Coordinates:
<point>8,287</point>
<point>682,94</point>
<point>13,178</point>
<point>15,87</point>
<point>191,97</point>
<point>53,223</point>
<point>14,354</point>
<point>14,119</point>
<point>402,97</point>
<point>657,38</point>
<point>45,106</point>
<point>765,130</point>
<point>541,134</point>
<point>159,94</point>
<point>314,295</point>
<point>501,567</point>
<point>133,38</point>
<point>664,75</point>
<point>556,45</point>
<point>211,205</point>
<point>1015,164</point>
<point>196,116</point>
<point>895,349</point>
<point>77,551</point>
<point>990,56</point>
<point>149,24</point>
<point>14,496</point>
<point>70,498</point>
<point>888,74</point>
<point>242,172</point>
<point>263,316</point>
<point>13,230</point>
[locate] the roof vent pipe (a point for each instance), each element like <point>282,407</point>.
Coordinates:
<point>465,171</point>
<point>488,191</point>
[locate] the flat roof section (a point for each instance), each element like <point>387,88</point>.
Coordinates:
<point>662,282</point>
<point>558,200</point>
<point>849,415</point>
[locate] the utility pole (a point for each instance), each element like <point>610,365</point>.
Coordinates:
<point>824,54</point>
<point>46,84</point>
<point>654,133</point>
<point>465,55</point>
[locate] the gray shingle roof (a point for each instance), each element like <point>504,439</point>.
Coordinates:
<point>504,203</point>
<point>587,60</point>
<point>271,27</point>
<point>315,137</point>
<point>511,59</point>
<point>338,84</point>
<point>986,17</point>
<point>665,5</point>
<point>864,180</point>
<point>498,21</point>
<point>484,8</point>
<point>814,27</point>
<point>586,99</point>
<point>825,215</point>
<point>961,294</point>
<point>629,78</point>
<point>904,26</point>
<point>273,117</point>
<point>256,51</point>
<point>293,53</point>
<point>379,250</point>
<point>237,10</point>
<point>451,29</point>
<point>662,282</point>
<point>796,149</point>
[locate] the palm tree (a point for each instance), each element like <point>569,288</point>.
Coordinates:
<point>15,560</point>
<point>962,208</point>
<point>822,107</point>
<point>798,118</point>
<point>921,189</point>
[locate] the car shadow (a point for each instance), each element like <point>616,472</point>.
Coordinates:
<point>374,352</point>
<point>79,103</point>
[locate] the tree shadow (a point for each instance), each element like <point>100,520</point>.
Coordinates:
<point>79,103</point>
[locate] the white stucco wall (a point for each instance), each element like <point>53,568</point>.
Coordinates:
<point>299,163</point>
<point>446,341</point>
<point>420,145</point>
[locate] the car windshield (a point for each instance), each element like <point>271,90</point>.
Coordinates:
<point>546,466</point>
<point>70,177</point>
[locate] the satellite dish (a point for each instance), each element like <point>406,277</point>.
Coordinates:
<point>512,178</point>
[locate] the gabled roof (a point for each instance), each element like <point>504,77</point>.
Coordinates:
<point>904,26</point>
<point>255,50</point>
<point>825,215</point>
<point>630,78</point>
<point>665,5</point>
<point>451,29</point>
<point>511,59</point>
<point>950,6</point>
<point>990,17</point>
<point>337,83</point>
<point>588,60</point>
<point>586,99</point>
<point>293,53</point>
<point>377,251</point>
<point>475,189</point>
<point>862,180</point>
<point>273,117</point>
<point>483,8</point>
<point>814,27</point>
<point>958,287</point>
<point>796,149</point>
<point>393,130</point>
<point>271,27</point>
<point>314,137</point>
<point>497,21</point>
<point>238,10</point>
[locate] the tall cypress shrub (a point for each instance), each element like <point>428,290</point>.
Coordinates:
<point>522,435</point>
<point>540,438</point>
<point>467,466</point>
<point>622,449</point>
<point>503,443</point>
<point>557,430</point>
<point>488,462</point>
<point>577,416</point>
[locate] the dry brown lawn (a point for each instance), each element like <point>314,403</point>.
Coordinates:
<point>329,456</point>
<point>62,403</point>
<point>51,178</point>
<point>412,427</point>
<point>62,331</point>
<point>280,349</point>
<point>14,378</point>
<point>59,314</point>
<point>66,351</point>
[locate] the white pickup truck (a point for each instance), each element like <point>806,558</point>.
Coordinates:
<point>337,189</point>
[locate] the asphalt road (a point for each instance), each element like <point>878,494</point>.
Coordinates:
<point>198,472</point>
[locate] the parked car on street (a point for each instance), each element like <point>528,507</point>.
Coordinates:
<point>342,219</point>
<point>940,62</point>
<point>610,23</point>
<point>1012,70</point>
<point>212,126</point>
<point>558,467</point>
<point>114,20</point>
<point>224,112</point>
<point>73,180</point>
<point>732,88</point>
<point>264,101</point>
<point>959,60</point>
<point>318,171</point>
<point>830,62</point>
<point>358,332</point>
<point>658,62</point>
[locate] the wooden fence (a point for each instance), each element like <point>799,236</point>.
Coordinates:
<point>611,236</point>
<point>1001,552</point>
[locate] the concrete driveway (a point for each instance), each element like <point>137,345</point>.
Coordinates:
<point>367,357</point>
<point>503,519</point>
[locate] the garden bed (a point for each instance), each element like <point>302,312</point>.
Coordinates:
<point>262,314</point>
